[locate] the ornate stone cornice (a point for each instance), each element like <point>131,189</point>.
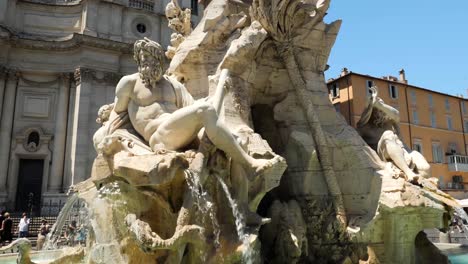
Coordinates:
<point>39,84</point>
<point>96,76</point>
<point>72,42</point>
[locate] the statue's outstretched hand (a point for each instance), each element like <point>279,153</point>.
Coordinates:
<point>374,94</point>
<point>228,84</point>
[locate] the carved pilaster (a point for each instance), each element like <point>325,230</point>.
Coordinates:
<point>60,135</point>
<point>6,123</point>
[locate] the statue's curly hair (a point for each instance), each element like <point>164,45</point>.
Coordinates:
<point>379,118</point>
<point>150,46</point>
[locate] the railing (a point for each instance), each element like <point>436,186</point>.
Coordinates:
<point>55,2</point>
<point>50,212</point>
<point>452,186</point>
<point>457,163</point>
<point>141,4</point>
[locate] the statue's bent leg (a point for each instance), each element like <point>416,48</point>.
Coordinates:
<point>182,127</point>
<point>396,153</point>
<point>422,166</point>
<point>177,130</point>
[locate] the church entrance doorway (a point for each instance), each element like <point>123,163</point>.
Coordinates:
<point>28,194</point>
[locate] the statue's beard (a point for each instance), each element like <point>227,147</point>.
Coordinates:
<point>149,74</point>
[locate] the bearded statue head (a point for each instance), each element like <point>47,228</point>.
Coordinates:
<point>149,56</point>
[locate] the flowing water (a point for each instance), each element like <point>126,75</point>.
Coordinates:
<point>204,203</point>
<point>247,253</point>
<point>55,233</point>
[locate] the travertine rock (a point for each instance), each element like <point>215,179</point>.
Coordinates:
<point>179,22</point>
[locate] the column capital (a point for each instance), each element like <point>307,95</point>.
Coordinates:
<point>3,71</point>
<point>96,75</point>
<point>77,76</point>
<point>13,74</point>
<point>81,73</point>
<point>65,76</point>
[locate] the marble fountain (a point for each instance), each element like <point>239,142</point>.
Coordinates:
<point>225,148</point>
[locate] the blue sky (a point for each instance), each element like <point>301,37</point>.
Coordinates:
<point>428,38</point>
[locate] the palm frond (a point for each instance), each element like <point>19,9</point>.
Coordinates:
<point>281,18</point>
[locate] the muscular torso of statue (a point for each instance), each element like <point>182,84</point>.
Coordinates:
<point>372,133</point>
<point>149,107</point>
<point>164,113</point>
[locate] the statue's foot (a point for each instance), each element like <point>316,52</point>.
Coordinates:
<point>412,177</point>
<point>263,166</point>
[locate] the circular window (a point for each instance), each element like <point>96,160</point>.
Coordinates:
<point>141,28</point>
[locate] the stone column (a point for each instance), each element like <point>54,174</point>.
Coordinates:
<point>6,124</point>
<point>80,140</point>
<point>67,180</point>
<point>2,87</point>
<point>60,135</point>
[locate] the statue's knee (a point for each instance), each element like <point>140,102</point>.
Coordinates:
<point>206,109</point>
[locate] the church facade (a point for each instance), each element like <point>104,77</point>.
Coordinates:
<point>59,62</point>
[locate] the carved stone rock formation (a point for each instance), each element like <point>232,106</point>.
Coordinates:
<point>179,22</point>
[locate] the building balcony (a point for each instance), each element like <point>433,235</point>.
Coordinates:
<point>457,163</point>
<point>142,4</point>
<point>451,186</point>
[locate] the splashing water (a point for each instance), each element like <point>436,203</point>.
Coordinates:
<point>203,201</point>
<point>464,219</point>
<point>54,235</point>
<point>247,253</point>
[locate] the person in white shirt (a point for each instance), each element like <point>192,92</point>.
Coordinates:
<point>23,226</point>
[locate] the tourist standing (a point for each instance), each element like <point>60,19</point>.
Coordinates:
<point>6,228</point>
<point>71,232</point>
<point>43,231</point>
<point>81,236</point>
<point>2,217</point>
<point>23,226</point>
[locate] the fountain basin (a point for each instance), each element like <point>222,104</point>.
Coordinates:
<point>41,257</point>
<point>457,253</point>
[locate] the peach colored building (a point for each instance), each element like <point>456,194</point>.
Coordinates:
<point>433,123</point>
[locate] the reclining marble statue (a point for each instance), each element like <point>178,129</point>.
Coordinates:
<point>379,127</point>
<point>164,113</point>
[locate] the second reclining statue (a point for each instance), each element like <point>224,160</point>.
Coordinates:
<point>379,127</point>
<point>164,113</point>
